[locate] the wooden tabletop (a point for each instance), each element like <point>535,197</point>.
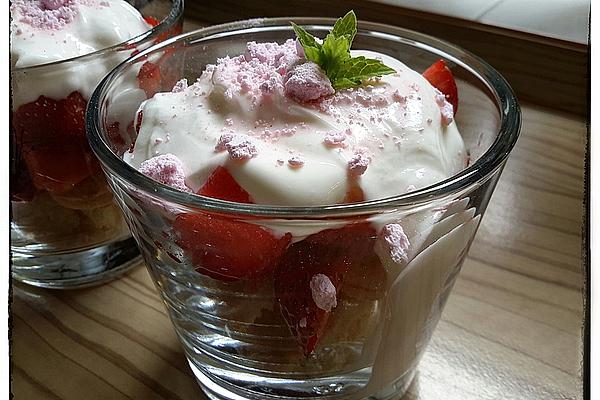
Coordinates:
<point>511,328</point>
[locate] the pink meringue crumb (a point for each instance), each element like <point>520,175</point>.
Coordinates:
<point>364,98</point>
<point>239,146</point>
<point>222,142</point>
<point>398,242</point>
<point>306,82</point>
<point>167,169</point>
<point>446,108</point>
<point>258,73</point>
<point>323,292</point>
<point>358,164</point>
<point>54,4</point>
<point>398,97</point>
<point>335,139</point>
<point>48,15</point>
<point>276,134</point>
<point>180,86</point>
<point>295,161</point>
<point>273,54</point>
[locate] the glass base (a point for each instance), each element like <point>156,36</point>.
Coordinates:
<point>75,270</point>
<point>216,388</point>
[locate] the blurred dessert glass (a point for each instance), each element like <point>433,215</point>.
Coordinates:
<point>66,230</point>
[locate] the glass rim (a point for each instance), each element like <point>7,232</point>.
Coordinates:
<point>478,172</point>
<point>176,12</point>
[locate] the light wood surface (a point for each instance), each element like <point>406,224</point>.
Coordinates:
<point>511,328</point>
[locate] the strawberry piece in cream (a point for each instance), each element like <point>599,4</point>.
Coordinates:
<point>228,250</point>
<point>221,185</point>
<point>440,76</point>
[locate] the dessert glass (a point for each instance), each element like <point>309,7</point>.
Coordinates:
<point>66,230</point>
<point>237,334</point>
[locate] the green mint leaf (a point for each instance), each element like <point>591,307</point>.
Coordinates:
<point>305,38</point>
<point>335,51</point>
<point>312,48</point>
<point>346,26</point>
<point>314,54</point>
<point>333,56</point>
<point>357,69</point>
<point>345,83</point>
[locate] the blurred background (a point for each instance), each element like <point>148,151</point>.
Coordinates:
<point>540,46</point>
<point>560,19</point>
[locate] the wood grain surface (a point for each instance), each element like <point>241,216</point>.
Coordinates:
<point>511,329</point>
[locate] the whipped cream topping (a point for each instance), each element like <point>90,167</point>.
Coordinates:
<point>45,31</point>
<point>272,121</point>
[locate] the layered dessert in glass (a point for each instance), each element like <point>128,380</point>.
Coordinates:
<point>305,220</point>
<point>66,230</point>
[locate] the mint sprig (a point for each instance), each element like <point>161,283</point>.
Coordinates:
<point>333,55</point>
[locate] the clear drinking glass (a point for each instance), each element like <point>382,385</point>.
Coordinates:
<point>66,230</point>
<point>251,338</point>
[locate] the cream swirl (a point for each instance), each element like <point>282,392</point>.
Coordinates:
<point>46,31</point>
<point>388,136</point>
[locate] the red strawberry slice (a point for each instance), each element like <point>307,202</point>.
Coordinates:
<point>174,31</point>
<point>332,252</point>
<point>50,137</point>
<point>226,249</point>
<point>46,120</point>
<point>116,141</point>
<point>223,248</point>
<point>58,166</point>
<point>221,185</point>
<point>149,78</point>
<point>151,21</point>
<point>365,282</point>
<point>73,115</point>
<point>441,78</point>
